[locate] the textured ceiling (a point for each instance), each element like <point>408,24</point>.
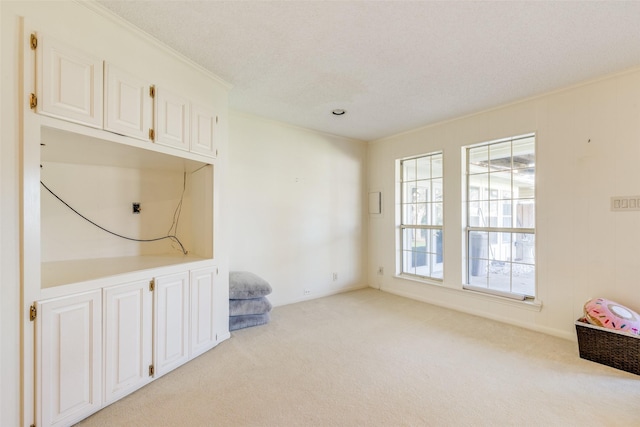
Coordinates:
<point>393,65</point>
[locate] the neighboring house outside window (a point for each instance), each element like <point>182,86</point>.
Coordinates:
<point>500,207</point>
<point>421,216</point>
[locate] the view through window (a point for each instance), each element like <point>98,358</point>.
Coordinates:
<point>421,223</point>
<point>501,216</point>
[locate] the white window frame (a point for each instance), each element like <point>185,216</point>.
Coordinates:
<point>478,226</point>
<point>432,198</point>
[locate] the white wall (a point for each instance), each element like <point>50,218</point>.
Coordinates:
<point>9,226</point>
<point>296,208</point>
<point>588,149</point>
<point>104,194</point>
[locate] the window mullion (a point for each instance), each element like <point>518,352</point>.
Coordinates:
<point>421,226</point>
<point>504,230</point>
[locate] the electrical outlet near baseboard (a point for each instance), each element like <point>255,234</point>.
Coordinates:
<point>307,292</point>
<point>335,276</point>
<point>381,271</point>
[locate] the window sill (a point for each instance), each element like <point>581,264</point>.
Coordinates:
<point>531,305</point>
<point>418,279</point>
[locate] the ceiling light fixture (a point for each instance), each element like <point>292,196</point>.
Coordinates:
<point>338,112</point>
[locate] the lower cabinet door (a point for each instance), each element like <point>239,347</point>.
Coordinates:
<point>203,332</point>
<point>127,338</point>
<point>171,320</point>
<point>68,358</point>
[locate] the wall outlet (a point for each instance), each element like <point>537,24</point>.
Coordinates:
<point>136,207</point>
<point>381,271</point>
<point>335,276</point>
<point>307,292</point>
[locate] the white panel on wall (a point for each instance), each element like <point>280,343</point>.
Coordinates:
<point>375,202</point>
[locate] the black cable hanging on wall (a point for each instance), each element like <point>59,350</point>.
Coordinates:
<point>173,237</point>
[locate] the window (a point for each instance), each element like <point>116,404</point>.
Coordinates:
<point>421,216</point>
<point>500,230</point>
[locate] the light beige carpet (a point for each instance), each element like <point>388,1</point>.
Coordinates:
<point>369,358</point>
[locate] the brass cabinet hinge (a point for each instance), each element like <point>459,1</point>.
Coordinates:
<point>152,91</point>
<point>152,134</point>
<point>151,370</point>
<point>33,41</point>
<point>33,312</point>
<point>152,285</point>
<point>33,100</point>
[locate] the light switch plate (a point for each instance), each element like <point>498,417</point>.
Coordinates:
<point>625,203</point>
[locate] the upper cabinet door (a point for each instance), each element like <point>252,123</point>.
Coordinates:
<point>203,131</point>
<point>128,104</point>
<point>69,83</point>
<point>172,119</point>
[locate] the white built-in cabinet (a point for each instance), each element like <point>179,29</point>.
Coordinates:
<point>172,119</point>
<point>78,87</point>
<point>69,82</point>
<point>203,127</point>
<point>172,322</point>
<point>128,329</point>
<point>69,358</point>
<point>93,348</point>
<point>128,105</point>
<point>203,299</point>
<point>110,315</point>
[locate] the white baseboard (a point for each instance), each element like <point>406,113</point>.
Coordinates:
<point>322,294</point>
<point>537,328</point>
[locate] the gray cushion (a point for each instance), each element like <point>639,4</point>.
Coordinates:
<point>238,307</point>
<point>248,320</point>
<point>245,285</point>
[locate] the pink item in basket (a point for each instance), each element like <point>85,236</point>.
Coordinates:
<point>609,314</point>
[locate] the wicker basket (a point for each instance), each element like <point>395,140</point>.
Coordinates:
<point>612,348</point>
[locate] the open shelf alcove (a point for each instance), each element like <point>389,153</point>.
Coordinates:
<point>101,179</point>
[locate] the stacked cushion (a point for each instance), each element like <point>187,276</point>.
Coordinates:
<point>248,305</point>
<point>242,307</point>
<point>609,314</point>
